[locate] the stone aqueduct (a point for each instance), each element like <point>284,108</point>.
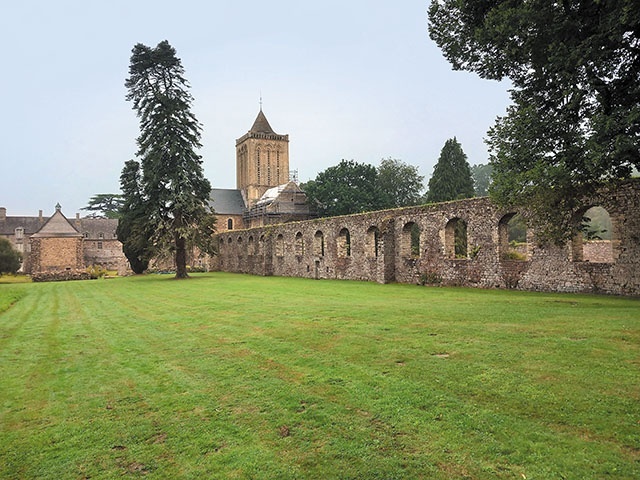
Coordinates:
<point>379,246</point>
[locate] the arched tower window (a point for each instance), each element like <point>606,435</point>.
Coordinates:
<point>230,224</point>
<point>258,166</point>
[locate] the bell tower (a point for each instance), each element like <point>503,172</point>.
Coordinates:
<point>262,160</point>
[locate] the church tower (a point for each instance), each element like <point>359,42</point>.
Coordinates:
<point>262,160</point>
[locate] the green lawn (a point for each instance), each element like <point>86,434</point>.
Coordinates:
<point>232,376</point>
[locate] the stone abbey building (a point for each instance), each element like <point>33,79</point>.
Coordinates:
<point>426,244</point>
<point>264,193</point>
<point>264,196</point>
<point>267,228</point>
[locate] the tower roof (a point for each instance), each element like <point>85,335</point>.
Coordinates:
<point>261,125</point>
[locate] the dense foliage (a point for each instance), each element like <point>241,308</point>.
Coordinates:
<point>451,177</point>
<point>574,124</point>
<point>352,187</point>
<point>133,230</point>
<point>349,187</point>
<point>481,175</point>
<point>401,184</point>
<point>173,204</point>
<point>10,259</point>
<point>105,205</point>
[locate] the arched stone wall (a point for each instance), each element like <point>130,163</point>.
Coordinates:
<point>346,247</point>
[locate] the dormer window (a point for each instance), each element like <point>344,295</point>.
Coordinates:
<point>19,233</point>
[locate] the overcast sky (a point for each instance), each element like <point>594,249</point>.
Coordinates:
<point>345,79</point>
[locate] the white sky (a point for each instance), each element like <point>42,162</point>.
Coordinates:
<point>346,79</point>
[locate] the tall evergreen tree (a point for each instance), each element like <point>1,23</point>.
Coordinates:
<point>173,188</point>
<point>451,177</point>
<point>133,230</point>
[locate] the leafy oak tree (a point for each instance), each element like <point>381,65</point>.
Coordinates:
<point>173,188</point>
<point>400,184</point>
<point>574,125</point>
<point>451,177</point>
<point>349,187</point>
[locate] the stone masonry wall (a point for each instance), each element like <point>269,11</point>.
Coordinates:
<point>378,246</point>
<point>55,254</point>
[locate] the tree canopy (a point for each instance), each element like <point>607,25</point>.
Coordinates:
<point>349,187</point>
<point>106,205</point>
<point>481,175</point>
<point>451,177</point>
<point>10,258</point>
<point>574,125</point>
<point>173,190</point>
<point>400,184</point>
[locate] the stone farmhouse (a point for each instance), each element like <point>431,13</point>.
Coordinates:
<point>53,244</point>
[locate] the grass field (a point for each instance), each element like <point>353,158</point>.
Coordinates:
<point>232,376</point>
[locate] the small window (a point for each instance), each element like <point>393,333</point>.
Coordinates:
<point>19,233</point>
<point>230,224</point>
<point>99,245</point>
<point>101,236</point>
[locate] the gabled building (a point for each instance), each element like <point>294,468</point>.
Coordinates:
<point>264,193</point>
<point>56,243</point>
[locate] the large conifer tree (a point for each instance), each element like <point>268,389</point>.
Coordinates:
<point>172,184</point>
<point>451,177</point>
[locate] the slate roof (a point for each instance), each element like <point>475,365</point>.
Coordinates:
<point>30,225</point>
<point>261,125</point>
<point>227,201</point>
<point>57,226</point>
<point>93,227</point>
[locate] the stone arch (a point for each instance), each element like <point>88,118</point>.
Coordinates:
<point>279,246</point>
<point>344,243</point>
<point>251,246</point>
<point>372,242</point>
<point>410,240</point>
<point>455,239</point>
<point>260,245</point>
<point>318,244</point>
<point>597,238</point>
<point>299,244</point>
<point>512,237</point>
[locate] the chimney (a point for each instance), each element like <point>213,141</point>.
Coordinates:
<point>3,213</point>
<point>40,216</point>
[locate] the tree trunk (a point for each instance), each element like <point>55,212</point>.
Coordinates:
<point>181,257</point>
